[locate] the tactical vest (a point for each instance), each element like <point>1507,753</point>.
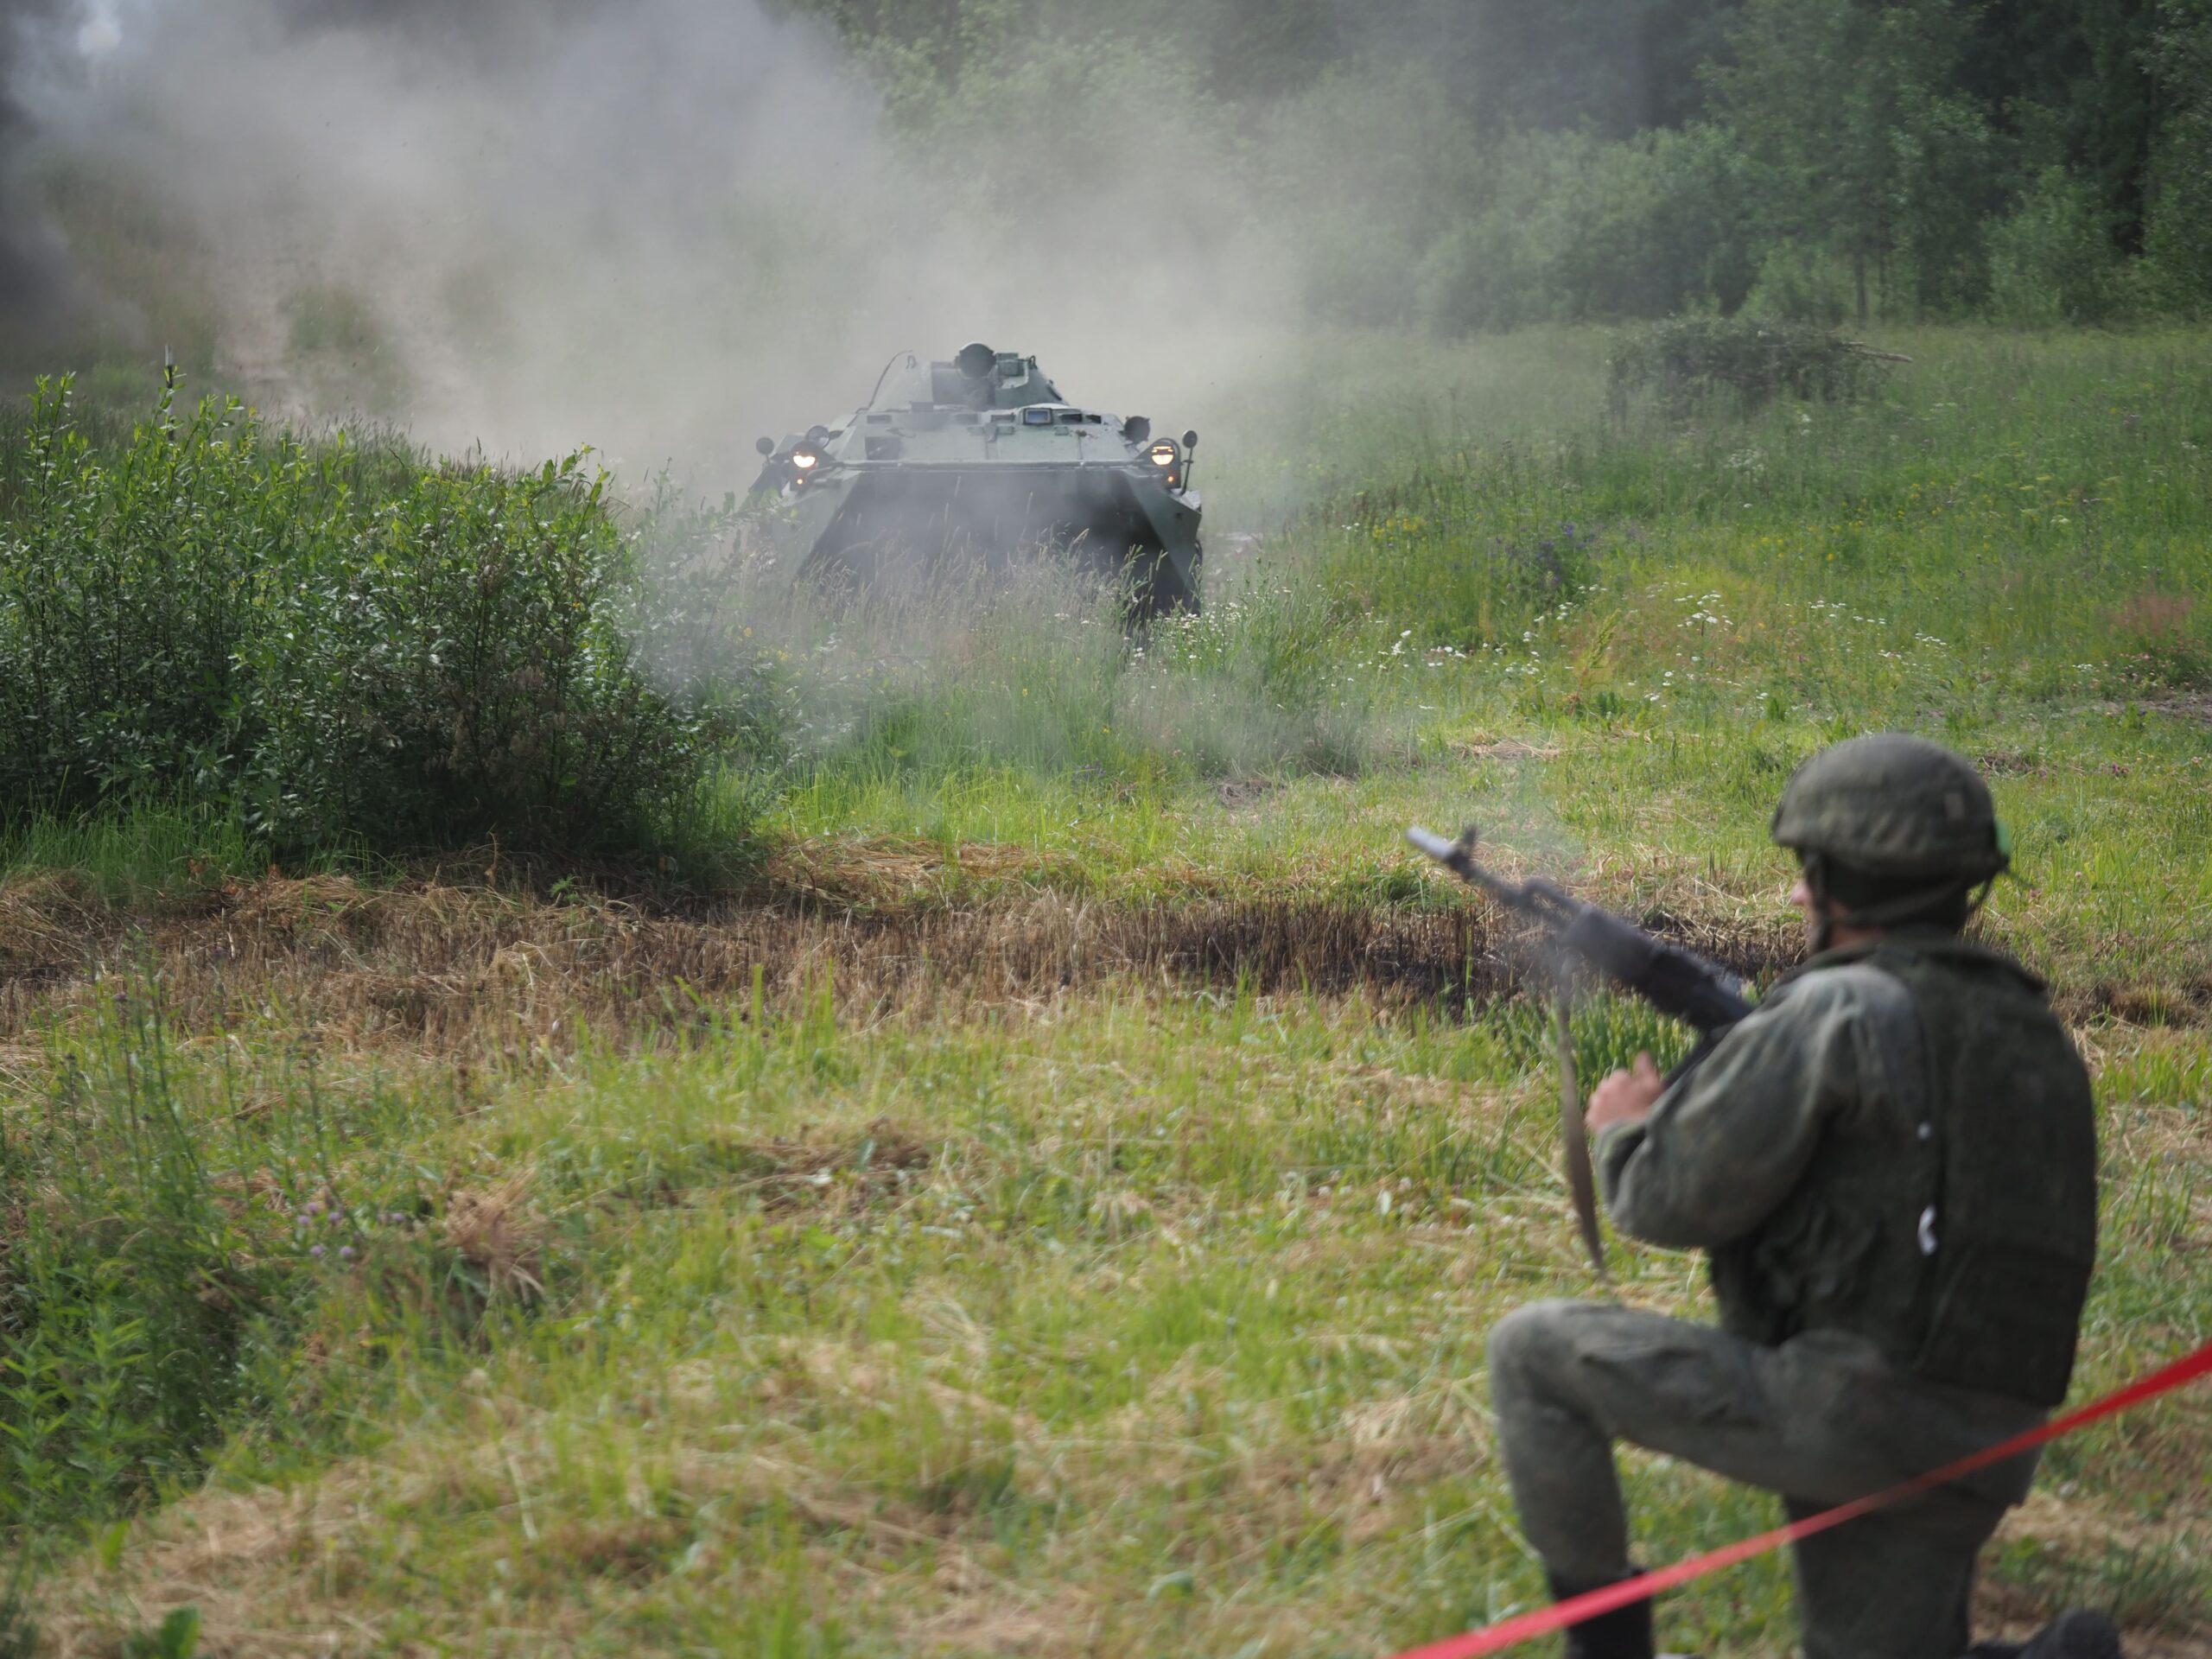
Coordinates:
<point>1998,1199</point>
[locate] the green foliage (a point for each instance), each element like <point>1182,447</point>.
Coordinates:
<point>1504,164</point>
<point>134,1296</point>
<point>463,666</point>
<point>132,851</point>
<point>1881,163</point>
<point>1560,226</point>
<point>177,1637</point>
<point>1255,682</point>
<point>2179,243</point>
<point>1436,552</point>
<point>354,646</point>
<point>1798,283</point>
<point>1032,673</point>
<point>178,1227</point>
<point>1373,157</point>
<point>18,1630</point>
<point>2052,260</point>
<point>1750,361</point>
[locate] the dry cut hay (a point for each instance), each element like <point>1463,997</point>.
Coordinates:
<point>444,970</point>
<point>888,930</point>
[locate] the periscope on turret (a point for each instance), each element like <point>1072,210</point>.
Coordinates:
<point>975,461</point>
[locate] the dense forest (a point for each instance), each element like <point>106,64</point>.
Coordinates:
<point>2034,160</point>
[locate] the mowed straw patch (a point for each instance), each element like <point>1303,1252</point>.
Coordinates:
<point>451,969</point>
<point>886,928</point>
<point>444,967</point>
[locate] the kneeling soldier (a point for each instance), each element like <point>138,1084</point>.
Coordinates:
<point>1892,1167</point>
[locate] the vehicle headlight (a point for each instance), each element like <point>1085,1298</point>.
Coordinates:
<point>1163,453</point>
<point>806,459</point>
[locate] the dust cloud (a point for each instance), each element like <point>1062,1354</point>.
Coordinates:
<point>33,287</point>
<point>659,227</point>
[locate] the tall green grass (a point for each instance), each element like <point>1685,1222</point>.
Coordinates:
<point>2037,502</point>
<point>214,1247</point>
<point>1168,1305</point>
<point>134,854</point>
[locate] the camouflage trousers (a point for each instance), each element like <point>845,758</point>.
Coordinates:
<point>1820,1419</point>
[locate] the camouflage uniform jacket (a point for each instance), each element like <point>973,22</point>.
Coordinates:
<point>1807,1155</point>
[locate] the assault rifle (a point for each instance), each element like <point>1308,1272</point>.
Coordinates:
<point>1679,983</point>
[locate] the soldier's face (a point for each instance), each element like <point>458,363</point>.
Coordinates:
<point>1839,932</point>
<point>1800,895</point>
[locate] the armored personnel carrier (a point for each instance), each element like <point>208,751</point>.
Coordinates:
<point>981,459</point>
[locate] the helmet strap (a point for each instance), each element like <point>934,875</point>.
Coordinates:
<point>1815,866</point>
<point>1901,910</point>
<point>1890,913</point>
<point>1980,897</point>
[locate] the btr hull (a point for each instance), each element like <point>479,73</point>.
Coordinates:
<point>951,467</point>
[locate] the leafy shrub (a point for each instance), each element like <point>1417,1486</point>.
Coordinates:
<point>126,590</point>
<point>460,664</point>
<point>348,644</point>
<point>1687,360</point>
<point>2052,260</point>
<point>1801,284</point>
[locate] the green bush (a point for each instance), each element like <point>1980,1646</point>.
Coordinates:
<point>1800,284</point>
<point>2053,261</point>
<point>349,644</point>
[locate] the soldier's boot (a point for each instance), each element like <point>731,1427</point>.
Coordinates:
<point>1624,1633</point>
<point>2081,1634</point>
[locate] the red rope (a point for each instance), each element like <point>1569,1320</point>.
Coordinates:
<point>1491,1638</point>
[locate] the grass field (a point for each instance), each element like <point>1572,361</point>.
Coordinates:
<point>1049,1194</point>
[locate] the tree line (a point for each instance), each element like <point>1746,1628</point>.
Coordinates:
<point>1490,163</point>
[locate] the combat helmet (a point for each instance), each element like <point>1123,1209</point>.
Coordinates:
<point>1894,805</point>
<point>1907,815</point>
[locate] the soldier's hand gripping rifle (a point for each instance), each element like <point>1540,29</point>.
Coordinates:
<point>1678,983</point>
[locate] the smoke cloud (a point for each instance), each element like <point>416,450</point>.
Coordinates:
<point>662,227</point>
<point>33,290</point>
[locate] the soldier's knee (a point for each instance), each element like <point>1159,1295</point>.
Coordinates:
<point>1525,1342</point>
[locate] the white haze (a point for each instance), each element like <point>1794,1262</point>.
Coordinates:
<point>661,227</point>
